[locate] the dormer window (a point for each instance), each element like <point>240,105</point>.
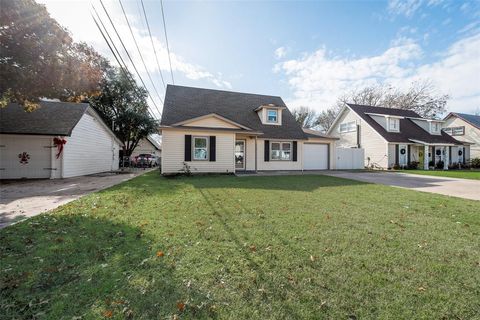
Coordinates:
<point>393,124</point>
<point>434,127</point>
<point>272,116</point>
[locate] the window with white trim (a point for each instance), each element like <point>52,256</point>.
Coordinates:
<point>281,151</point>
<point>434,127</point>
<point>272,116</point>
<point>200,148</point>
<point>393,124</point>
<point>455,131</point>
<point>348,127</point>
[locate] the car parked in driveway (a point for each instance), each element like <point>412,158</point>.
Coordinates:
<point>145,160</point>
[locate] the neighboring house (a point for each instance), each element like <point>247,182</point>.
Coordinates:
<point>147,146</point>
<point>57,140</point>
<point>394,137</point>
<point>465,128</point>
<point>225,132</point>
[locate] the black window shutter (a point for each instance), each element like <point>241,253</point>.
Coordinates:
<point>433,155</point>
<point>294,150</point>
<point>396,153</point>
<point>449,154</point>
<point>409,155</point>
<point>267,150</point>
<point>213,148</point>
<point>188,148</point>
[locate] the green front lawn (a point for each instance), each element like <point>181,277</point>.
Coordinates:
<point>463,174</point>
<point>290,247</point>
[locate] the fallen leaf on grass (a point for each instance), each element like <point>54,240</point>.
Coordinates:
<point>421,289</point>
<point>160,254</point>
<point>108,313</point>
<point>253,248</point>
<point>180,306</point>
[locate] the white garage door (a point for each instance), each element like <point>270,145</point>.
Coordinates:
<point>315,156</point>
<point>24,157</point>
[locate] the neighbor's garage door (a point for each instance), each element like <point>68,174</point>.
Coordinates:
<point>24,157</point>
<point>315,156</point>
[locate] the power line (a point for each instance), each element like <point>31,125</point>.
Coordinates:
<point>138,49</point>
<point>126,72</point>
<point>129,57</point>
<point>151,40</point>
<point>166,40</point>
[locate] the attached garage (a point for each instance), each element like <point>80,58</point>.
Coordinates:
<point>57,140</point>
<point>316,156</point>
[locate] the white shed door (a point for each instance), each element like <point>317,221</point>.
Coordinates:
<point>24,157</point>
<point>315,156</point>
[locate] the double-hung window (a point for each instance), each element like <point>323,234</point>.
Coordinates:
<point>281,151</point>
<point>348,126</point>
<point>272,116</point>
<point>200,148</point>
<point>393,124</point>
<point>434,127</point>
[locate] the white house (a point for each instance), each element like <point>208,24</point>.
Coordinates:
<point>148,145</point>
<point>57,140</point>
<point>466,128</point>
<point>226,132</point>
<point>395,137</point>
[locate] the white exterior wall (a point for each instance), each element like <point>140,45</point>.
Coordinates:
<point>145,146</point>
<point>375,145</point>
<point>381,120</point>
<point>211,122</point>
<point>391,155</point>
<point>278,164</point>
<point>90,149</point>
<point>173,146</point>
<point>472,134</point>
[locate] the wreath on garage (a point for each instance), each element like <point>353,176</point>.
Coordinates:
<point>59,143</point>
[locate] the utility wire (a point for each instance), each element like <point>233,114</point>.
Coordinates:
<point>151,40</point>
<point>166,40</point>
<point>138,49</point>
<point>126,72</point>
<point>129,57</point>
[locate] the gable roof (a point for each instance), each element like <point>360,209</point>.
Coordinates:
<point>317,134</point>
<point>185,103</point>
<point>474,120</point>
<point>51,118</point>
<point>154,143</point>
<point>409,130</point>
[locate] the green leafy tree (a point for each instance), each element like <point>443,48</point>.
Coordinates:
<point>123,105</point>
<point>38,57</point>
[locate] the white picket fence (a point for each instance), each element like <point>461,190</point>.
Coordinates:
<point>350,158</point>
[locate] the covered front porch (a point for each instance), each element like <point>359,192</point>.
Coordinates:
<point>427,156</point>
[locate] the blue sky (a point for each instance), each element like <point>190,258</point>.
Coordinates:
<point>309,53</point>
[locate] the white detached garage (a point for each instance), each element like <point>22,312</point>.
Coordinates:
<point>58,140</point>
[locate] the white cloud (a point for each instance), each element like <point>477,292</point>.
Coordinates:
<point>409,7</point>
<point>280,52</point>
<point>318,79</point>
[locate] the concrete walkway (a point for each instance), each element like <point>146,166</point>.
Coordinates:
<point>462,188</point>
<point>22,199</point>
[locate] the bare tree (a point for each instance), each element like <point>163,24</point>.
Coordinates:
<point>305,117</point>
<point>326,117</point>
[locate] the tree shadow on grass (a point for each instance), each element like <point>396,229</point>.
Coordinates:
<point>67,266</point>
<point>294,183</point>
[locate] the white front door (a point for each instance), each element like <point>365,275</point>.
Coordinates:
<point>402,155</point>
<point>240,154</point>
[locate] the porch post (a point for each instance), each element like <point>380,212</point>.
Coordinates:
<point>425,157</point>
<point>446,161</point>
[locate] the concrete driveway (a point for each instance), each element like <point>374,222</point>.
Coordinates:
<point>22,199</point>
<point>462,188</point>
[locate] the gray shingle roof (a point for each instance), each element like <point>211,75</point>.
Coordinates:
<point>474,120</point>
<point>51,118</point>
<point>317,134</point>
<point>408,129</point>
<point>184,103</point>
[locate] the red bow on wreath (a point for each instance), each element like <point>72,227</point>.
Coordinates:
<point>59,142</point>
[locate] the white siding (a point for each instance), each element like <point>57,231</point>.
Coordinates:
<point>211,122</point>
<point>391,155</point>
<point>90,149</point>
<point>375,146</point>
<point>472,134</point>
<point>145,146</point>
<point>278,164</point>
<point>381,120</point>
<point>173,147</point>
